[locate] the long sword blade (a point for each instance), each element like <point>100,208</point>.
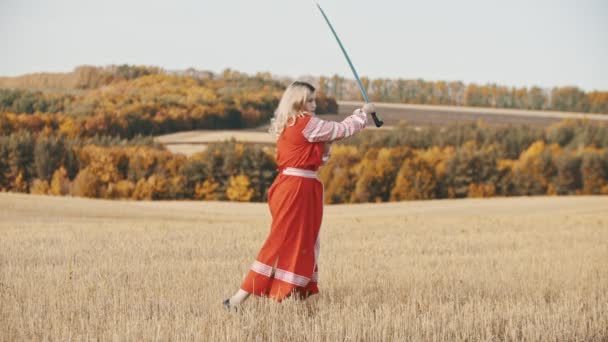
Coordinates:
<point>345,54</point>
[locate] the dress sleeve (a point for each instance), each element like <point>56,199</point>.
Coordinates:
<point>318,130</point>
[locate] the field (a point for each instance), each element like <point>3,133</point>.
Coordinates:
<point>417,115</point>
<point>74,269</point>
<point>192,142</point>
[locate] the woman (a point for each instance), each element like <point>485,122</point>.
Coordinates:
<point>287,262</point>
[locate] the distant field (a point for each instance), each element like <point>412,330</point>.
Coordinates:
<point>479,270</point>
<point>192,142</point>
<point>393,113</point>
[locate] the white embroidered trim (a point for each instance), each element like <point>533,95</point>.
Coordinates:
<point>280,274</point>
<point>315,132</point>
<point>291,278</point>
<point>292,171</point>
<point>334,131</point>
<point>262,269</point>
<point>347,132</point>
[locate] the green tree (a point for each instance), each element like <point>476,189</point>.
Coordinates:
<point>568,180</point>
<point>471,165</point>
<point>594,172</point>
<point>49,154</point>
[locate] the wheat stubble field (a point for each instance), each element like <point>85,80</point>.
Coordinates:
<point>533,269</point>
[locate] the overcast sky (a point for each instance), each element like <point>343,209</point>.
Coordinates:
<point>513,43</point>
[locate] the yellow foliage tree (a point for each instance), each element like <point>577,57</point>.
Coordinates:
<point>593,174</point>
<point>482,190</point>
<point>39,187</point>
<point>19,184</point>
<point>436,158</point>
<point>101,161</point>
<point>155,187</point>
<point>339,175</point>
<point>176,187</point>
<point>534,169</point>
<point>378,172</point>
<point>121,189</point>
<point>415,180</point>
<point>142,190</point>
<point>69,128</point>
<point>85,184</point>
<point>206,190</point>
<point>239,189</point>
<point>60,183</point>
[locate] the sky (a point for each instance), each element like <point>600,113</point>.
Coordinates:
<point>519,43</point>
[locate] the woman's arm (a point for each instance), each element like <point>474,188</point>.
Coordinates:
<point>318,130</point>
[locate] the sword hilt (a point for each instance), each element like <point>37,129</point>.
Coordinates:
<point>377,121</point>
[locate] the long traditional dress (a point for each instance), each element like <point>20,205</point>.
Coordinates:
<point>287,262</point>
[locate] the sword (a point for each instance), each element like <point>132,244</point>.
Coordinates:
<point>377,121</point>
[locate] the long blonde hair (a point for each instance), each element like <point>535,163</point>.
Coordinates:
<point>291,106</point>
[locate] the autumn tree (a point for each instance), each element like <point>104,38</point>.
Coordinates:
<point>339,175</point>
<point>436,158</point>
<point>18,166</point>
<point>39,187</point>
<point>471,165</point>
<point>122,189</point>
<point>594,172</point>
<point>195,173</point>
<point>569,99</point>
<point>48,156</point>
<point>60,183</point>
<point>154,187</point>
<point>239,188</point>
<point>415,180</point>
<point>533,171</point>
<point>207,190</point>
<point>568,180</point>
<point>598,101</point>
<point>377,172</point>
<point>85,184</point>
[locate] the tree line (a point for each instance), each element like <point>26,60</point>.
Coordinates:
<point>94,141</point>
<point>456,93</point>
<point>408,163</point>
<point>111,168</point>
<point>82,77</point>
<point>413,91</point>
<point>147,105</point>
<point>469,160</point>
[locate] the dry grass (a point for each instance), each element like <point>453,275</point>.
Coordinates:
<point>495,269</point>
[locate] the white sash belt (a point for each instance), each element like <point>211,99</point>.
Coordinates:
<point>292,171</point>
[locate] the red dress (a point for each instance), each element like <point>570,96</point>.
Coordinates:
<point>287,262</point>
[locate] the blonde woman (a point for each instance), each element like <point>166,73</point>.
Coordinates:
<point>287,262</point>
